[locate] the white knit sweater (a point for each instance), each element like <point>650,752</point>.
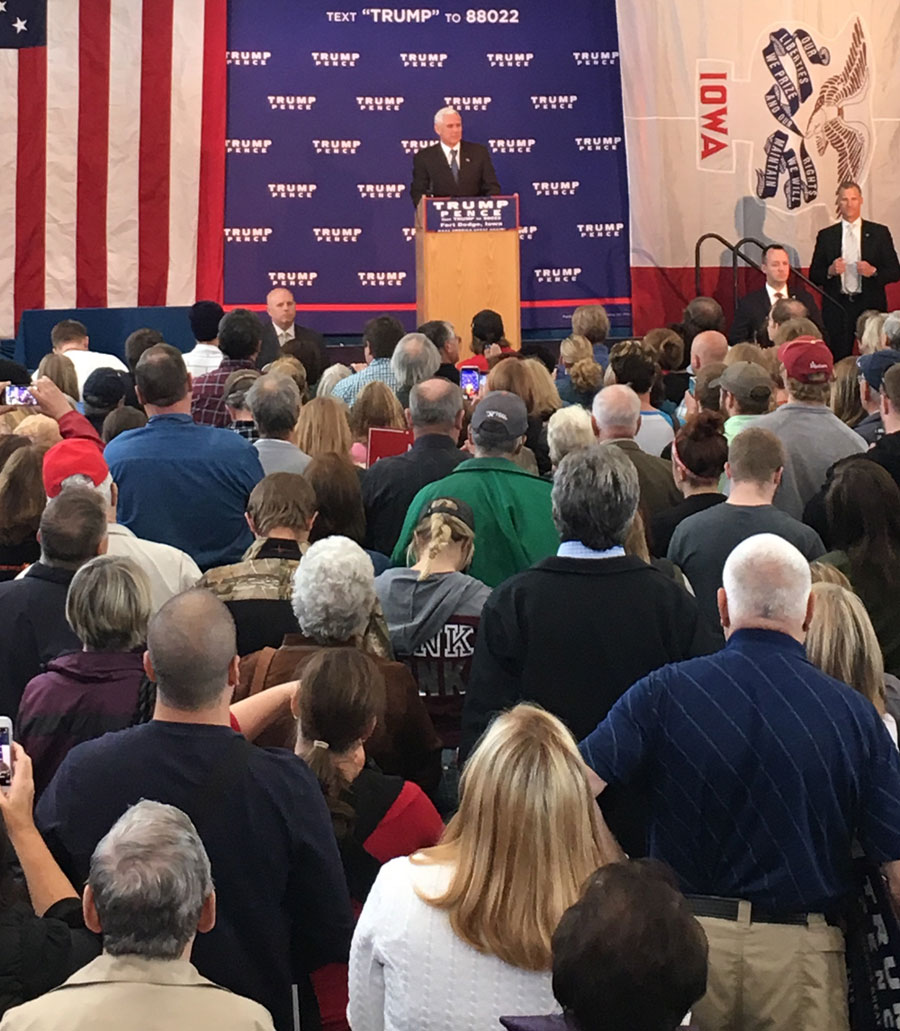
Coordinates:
<point>410,972</point>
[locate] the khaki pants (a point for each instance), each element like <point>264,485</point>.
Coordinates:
<point>773,977</point>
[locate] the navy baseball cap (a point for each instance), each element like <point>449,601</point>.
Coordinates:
<point>874,366</point>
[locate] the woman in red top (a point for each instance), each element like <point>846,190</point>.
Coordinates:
<point>376,817</point>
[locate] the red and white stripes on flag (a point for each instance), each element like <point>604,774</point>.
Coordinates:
<point>112,157</point>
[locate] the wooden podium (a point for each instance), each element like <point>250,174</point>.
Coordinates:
<point>467,259</point>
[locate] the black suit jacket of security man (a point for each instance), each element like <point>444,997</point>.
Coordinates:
<point>432,176</point>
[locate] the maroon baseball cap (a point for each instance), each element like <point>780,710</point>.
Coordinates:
<point>807,360</point>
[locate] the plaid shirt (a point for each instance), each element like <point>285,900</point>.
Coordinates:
<point>207,406</point>
<point>245,428</point>
<point>378,370</point>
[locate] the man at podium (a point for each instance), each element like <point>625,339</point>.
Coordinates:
<point>453,167</point>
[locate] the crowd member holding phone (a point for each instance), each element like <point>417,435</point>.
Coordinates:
<point>43,943</point>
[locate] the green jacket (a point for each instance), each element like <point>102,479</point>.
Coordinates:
<point>513,525</point>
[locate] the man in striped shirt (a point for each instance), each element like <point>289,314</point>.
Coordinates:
<point>763,771</point>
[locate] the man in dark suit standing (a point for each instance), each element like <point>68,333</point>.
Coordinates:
<point>853,261</point>
<point>453,167</point>
<point>753,310</point>
<point>308,346</point>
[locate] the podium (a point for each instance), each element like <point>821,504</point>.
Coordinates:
<point>467,259</point>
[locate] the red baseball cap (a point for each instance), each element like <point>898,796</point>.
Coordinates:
<point>69,458</point>
<point>806,359</point>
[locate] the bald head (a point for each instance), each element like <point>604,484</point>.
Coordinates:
<point>766,584</point>
<point>436,406</point>
<point>191,643</point>
<point>281,307</point>
<point>708,346</point>
<point>617,412</point>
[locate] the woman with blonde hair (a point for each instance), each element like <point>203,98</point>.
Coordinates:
<point>376,407</point>
<point>331,377</point>
<point>22,502</point>
<point>61,370</point>
<point>582,376</point>
<point>841,641</point>
<point>546,396</point>
<point>873,333</point>
<point>433,610</point>
<point>845,400</point>
<point>324,428</point>
<point>457,934</point>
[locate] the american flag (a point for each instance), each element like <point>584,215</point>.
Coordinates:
<point>112,153</point>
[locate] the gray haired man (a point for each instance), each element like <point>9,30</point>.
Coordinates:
<point>274,402</point>
<point>414,360</point>
<point>602,617</point>
<point>149,893</point>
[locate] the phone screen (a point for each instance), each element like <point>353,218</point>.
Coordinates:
<point>19,396</point>
<point>5,755</point>
<point>470,381</point>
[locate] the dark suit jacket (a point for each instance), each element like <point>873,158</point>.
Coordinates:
<point>753,310</point>
<point>877,247</point>
<point>432,175</point>
<point>270,350</point>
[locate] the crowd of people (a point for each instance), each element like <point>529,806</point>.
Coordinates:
<point>579,713</point>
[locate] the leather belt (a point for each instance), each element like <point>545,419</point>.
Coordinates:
<point>728,909</point>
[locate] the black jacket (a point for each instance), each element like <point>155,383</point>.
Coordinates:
<point>753,311</point>
<point>432,175</point>
<point>39,953</point>
<point>877,248</point>
<point>573,635</point>
<point>390,485</point>
<point>270,349</point>
<point>33,617</point>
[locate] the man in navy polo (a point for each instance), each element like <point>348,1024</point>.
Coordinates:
<point>762,772</point>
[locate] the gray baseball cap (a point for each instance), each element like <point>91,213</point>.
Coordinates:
<point>746,380</point>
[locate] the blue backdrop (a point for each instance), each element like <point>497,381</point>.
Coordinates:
<point>326,108</point>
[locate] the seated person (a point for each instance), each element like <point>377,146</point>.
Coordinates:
<point>333,599</point>
<point>43,942</point>
<point>84,694</point>
<point>281,511</point>
<point>433,608</point>
<point>149,893</point>
<point>628,954</point>
<point>455,935</point>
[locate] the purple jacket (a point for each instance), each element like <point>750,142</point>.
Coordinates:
<point>80,696</point>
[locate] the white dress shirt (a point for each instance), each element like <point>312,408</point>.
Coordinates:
<point>449,150</point>
<point>283,334</point>
<point>86,362</point>
<point>771,291</point>
<point>851,252</point>
<point>203,358</point>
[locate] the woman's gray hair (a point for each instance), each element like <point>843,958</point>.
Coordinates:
<point>595,495</point>
<point>334,591</point>
<point>415,359</point>
<point>766,578</point>
<point>568,429</point>
<point>150,876</point>
<point>108,604</point>
<point>331,377</point>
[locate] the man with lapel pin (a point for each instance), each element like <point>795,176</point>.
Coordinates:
<point>453,167</point>
<point>853,260</point>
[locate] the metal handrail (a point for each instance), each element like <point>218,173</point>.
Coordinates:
<point>736,252</point>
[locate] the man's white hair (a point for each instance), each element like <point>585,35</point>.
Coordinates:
<point>83,480</point>
<point>766,578</point>
<point>440,115</point>
<point>617,407</point>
